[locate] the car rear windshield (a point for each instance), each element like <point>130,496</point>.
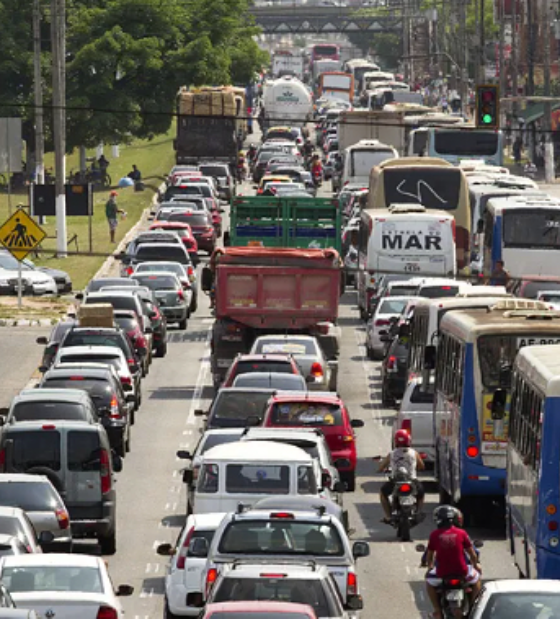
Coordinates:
<point>276,381</point>
<point>99,339</point>
<point>275,588</point>
<point>119,302</point>
<point>50,410</point>
<point>127,323</point>
<point>176,254</point>
<point>239,406</point>
<point>35,449</point>
<point>84,451</point>
<point>436,291</point>
<point>195,219</point>
<point>214,171</point>
<point>281,537</point>
<point>306,414</point>
<point>421,397</point>
<point>30,496</point>
<point>95,386</point>
<point>172,267</point>
<point>53,579</point>
<point>262,479</point>
<point>263,366</point>
<point>12,527</point>
<point>392,306</point>
<point>97,359</point>
<point>158,283</point>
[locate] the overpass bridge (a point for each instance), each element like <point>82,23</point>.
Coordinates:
<point>301,19</point>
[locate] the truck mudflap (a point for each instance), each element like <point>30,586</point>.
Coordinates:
<point>329,337</point>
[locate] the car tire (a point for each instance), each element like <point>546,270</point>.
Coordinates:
<point>108,544</point>
<point>127,442</point>
<point>183,324</point>
<point>194,304</point>
<point>369,352</point>
<point>386,399</point>
<point>349,479</point>
<point>161,351</point>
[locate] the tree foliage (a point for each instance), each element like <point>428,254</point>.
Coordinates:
<point>126,60</point>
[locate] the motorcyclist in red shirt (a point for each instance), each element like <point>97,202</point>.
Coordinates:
<point>447,549</point>
<point>317,169</point>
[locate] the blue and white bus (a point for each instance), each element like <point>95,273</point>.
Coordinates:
<point>524,232</point>
<point>475,351</point>
<point>533,489</point>
<point>462,142</point>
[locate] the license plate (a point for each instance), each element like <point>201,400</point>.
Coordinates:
<point>412,267</point>
<point>406,501</point>
<point>454,595</point>
<point>224,363</point>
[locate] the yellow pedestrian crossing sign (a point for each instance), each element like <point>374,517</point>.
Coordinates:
<point>21,234</point>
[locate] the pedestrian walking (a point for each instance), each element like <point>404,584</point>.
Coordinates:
<point>112,214</point>
<point>517,149</point>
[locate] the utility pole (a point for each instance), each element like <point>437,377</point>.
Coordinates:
<point>502,67</point>
<point>548,145</point>
<point>513,62</point>
<point>464,57</point>
<point>531,48</point>
<point>482,25</point>
<point>58,38</point>
<point>38,91</point>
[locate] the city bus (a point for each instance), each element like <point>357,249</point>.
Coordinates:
<point>476,352</point>
<point>417,129</point>
<point>455,144</point>
<point>434,183</point>
<point>336,85</point>
<point>533,476</point>
<point>524,232</point>
<point>324,51</point>
<point>358,67</point>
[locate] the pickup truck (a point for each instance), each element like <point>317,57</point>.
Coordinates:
<point>271,290</point>
<point>285,222</point>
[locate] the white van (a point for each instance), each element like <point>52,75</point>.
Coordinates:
<point>360,158</point>
<point>231,474</point>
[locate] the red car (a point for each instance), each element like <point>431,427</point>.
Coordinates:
<point>260,363</point>
<point>326,412</point>
<point>186,234</point>
<point>201,226</point>
<point>258,609</point>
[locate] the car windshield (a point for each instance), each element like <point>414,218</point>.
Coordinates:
<point>159,283</point>
<point>163,266</point>
<point>52,579</point>
<point>263,366</point>
<point>306,414</point>
<point>30,496</point>
<point>281,537</point>
<point>168,253</point>
<point>274,380</point>
<point>275,588</point>
<point>48,410</point>
<point>35,449</point>
<point>523,605</point>
<point>392,306</point>
<point>232,408</point>
<point>99,339</point>
<point>260,479</point>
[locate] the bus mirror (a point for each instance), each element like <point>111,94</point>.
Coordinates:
<point>499,404</point>
<point>480,226</point>
<point>429,357</point>
<point>505,376</point>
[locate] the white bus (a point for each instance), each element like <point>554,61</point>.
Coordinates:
<point>360,158</point>
<point>405,238</point>
<point>524,233</point>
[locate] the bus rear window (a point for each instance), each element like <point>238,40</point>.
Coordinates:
<point>467,143</point>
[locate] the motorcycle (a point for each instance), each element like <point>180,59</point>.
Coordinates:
<point>454,591</point>
<point>318,177</point>
<point>351,265</point>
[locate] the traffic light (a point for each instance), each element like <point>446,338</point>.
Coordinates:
<point>488,106</point>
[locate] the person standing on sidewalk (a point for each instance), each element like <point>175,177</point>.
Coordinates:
<point>112,214</point>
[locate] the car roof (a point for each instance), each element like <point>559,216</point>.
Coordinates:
<point>261,606</point>
<point>46,394</point>
<point>257,357</point>
<point>73,366</point>
<point>11,511</point>
<point>300,503</point>
<point>52,559</point>
<point>157,274</point>
<point>310,435</point>
<point>61,371</point>
<point>293,570</point>
<point>308,397</point>
<point>244,390</point>
<point>269,375</point>
<point>261,452</point>
<point>116,294</point>
<point>209,520</point>
<point>522,585</point>
<point>72,425</point>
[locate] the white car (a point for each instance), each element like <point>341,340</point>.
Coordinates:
<point>388,310</point>
<point>183,583</point>
<point>62,585</point>
<point>35,282</point>
<point>516,598</point>
<point>416,416</point>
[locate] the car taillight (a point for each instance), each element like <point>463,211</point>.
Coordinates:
<point>107,612</point>
<point>105,473</point>
<point>129,271</point>
<point>62,518</point>
<point>131,362</point>
<point>115,412</point>
<point>127,380</point>
<point>407,426</point>
<point>141,342</point>
<point>2,460</point>
<point>380,322</point>
<point>391,362</point>
<point>181,559</point>
<point>180,295</point>
<point>211,577</point>
<point>191,273</point>
<point>351,584</point>
<point>317,370</point>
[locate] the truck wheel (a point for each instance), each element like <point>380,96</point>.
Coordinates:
<point>183,324</point>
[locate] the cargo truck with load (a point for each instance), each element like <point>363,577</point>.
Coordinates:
<point>210,125</point>
<point>260,291</point>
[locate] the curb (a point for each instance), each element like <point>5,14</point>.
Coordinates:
<point>28,322</point>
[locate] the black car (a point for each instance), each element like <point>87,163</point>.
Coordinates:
<point>108,337</point>
<point>52,343</point>
<point>106,392</point>
<point>233,406</point>
<point>394,371</point>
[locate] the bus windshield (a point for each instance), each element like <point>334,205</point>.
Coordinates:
<point>435,188</point>
<point>532,228</point>
<point>466,143</point>
<point>362,161</point>
<point>325,50</point>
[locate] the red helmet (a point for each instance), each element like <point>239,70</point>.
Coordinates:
<point>402,439</point>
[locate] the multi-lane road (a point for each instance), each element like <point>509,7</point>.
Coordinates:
<point>151,497</point>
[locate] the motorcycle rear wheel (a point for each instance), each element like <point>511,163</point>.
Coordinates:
<point>403,530</point>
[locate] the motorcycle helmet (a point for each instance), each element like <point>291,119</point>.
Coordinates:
<point>444,516</point>
<point>402,439</point>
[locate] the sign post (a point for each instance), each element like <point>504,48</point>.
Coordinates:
<point>20,234</point>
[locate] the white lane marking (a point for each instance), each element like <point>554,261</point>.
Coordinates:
<point>201,379</point>
<point>207,321</point>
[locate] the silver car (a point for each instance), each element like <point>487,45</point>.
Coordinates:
<point>43,505</point>
<point>174,300</point>
<point>321,374</point>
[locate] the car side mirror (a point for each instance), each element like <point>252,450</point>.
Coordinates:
<point>430,357</point>
<point>499,404</point>
<point>207,279</point>
<point>198,548</point>
<point>357,423</point>
<point>360,549</point>
<point>421,548</point>
<point>166,550</point>
<point>124,590</point>
<point>117,463</point>
<point>42,340</point>
<point>46,538</point>
<point>354,602</point>
<point>79,296</point>
<point>184,455</point>
<point>43,369</point>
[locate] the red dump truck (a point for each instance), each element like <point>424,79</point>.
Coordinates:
<point>262,291</point>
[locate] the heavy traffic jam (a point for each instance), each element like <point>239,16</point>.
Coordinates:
<point>342,242</point>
